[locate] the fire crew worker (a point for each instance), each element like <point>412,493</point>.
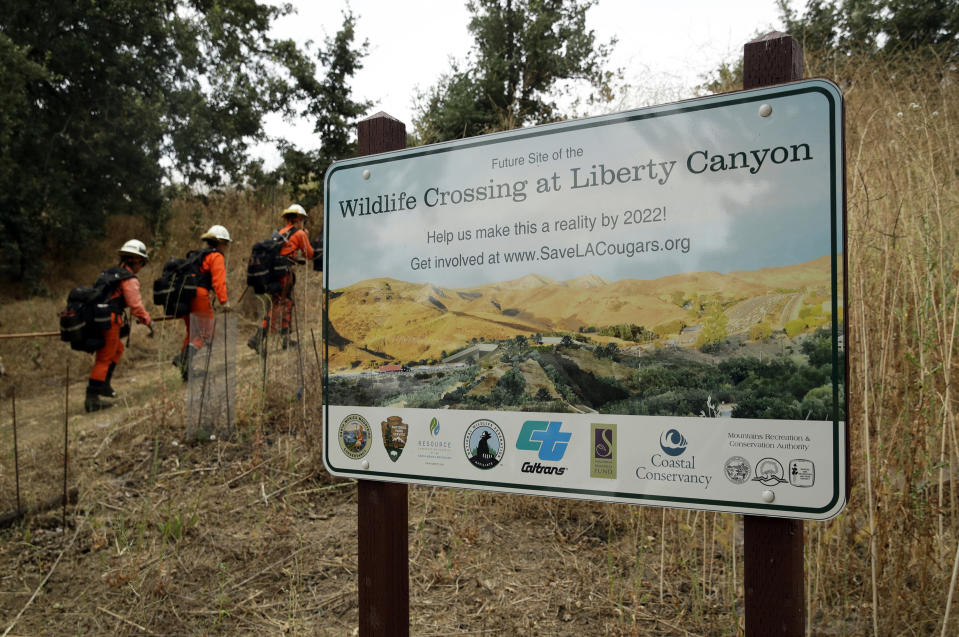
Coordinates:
<point>212,281</point>
<point>126,294</point>
<point>281,311</point>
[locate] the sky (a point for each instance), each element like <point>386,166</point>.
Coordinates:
<point>663,47</point>
<point>741,181</point>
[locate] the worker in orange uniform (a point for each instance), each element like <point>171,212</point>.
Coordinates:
<point>212,281</point>
<point>125,294</point>
<point>281,310</point>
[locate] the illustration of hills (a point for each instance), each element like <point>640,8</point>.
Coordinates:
<point>382,320</point>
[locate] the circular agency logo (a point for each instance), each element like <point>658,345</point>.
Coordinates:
<point>769,472</point>
<point>737,470</point>
<point>355,436</point>
<point>672,442</point>
<point>483,444</point>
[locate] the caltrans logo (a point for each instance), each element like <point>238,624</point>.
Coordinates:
<point>544,437</point>
<point>548,440</point>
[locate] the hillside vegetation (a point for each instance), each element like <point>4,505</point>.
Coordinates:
<point>384,319</point>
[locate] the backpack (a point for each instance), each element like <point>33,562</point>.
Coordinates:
<point>266,267</point>
<point>178,281</point>
<point>88,311</point>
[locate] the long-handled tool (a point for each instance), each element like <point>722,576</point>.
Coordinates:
<point>226,371</point>
<point>206,376</point>
<point>29,335</point>
<point>159,319</point>
<point>299,351</point>
<point>319,368</point>
<point>268,303</point>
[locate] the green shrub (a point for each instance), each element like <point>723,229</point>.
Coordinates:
<point>760,331</point>
<point>795,327</point>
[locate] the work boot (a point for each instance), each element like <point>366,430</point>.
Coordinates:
<point>180,359</point>
<point>256,341</point>
<point>187,357</point>
<point>92,401</point>
<point>107,390</point>
<point>182,362</point>
<point>287,341</point>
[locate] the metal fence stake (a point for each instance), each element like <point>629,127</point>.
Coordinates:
<point>66,421</point>
<point>16,452</point>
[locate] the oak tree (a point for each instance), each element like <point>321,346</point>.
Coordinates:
<point>526,53</point>
<point>105,103</point>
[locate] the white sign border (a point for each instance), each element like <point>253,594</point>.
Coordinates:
<point>837,203</point>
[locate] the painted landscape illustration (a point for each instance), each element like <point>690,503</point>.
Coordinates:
<point>744,344</point>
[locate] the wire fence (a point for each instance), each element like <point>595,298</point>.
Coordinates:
<point>211,389</point>
<point>34,463</point>
<point>232,393</point>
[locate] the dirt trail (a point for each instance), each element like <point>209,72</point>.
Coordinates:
<point>776,309</point>
<point>146,384</point>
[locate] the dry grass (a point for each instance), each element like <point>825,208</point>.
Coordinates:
<point>892,553</point>
<point>249,536</point>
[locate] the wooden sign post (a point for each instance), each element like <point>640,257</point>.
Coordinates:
<point>773,547</point>
<point>382,509</point>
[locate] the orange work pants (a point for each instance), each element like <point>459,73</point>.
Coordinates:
<point>281,309</point>
<point>111,351</point>
<point>201,315</point>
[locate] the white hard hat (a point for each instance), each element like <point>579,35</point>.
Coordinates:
<point>217,232</point>
<point>295,209</point>
<point>134,248</point>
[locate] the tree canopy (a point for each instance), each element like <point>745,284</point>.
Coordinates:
<point>332,109</point>
<point>870,26</point>
<point>525,53</point>
<point>104,102</point>
<point>861,27</point>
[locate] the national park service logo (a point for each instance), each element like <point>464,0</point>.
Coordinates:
<point>355,436</point>
<point>395,433</point>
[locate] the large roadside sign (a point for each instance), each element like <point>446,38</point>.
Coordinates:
<point>644,307</point>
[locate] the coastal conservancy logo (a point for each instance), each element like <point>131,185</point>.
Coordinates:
<point>602,458</point>
<point>355,436</point>
<point>737,470</point>
<point>668,467</point>
<point>672,442</point>
<point>483,444</point>
<point>549,442</point>
<point>395,433</point>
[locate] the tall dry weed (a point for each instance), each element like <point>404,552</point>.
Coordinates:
<point>885,565</point>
